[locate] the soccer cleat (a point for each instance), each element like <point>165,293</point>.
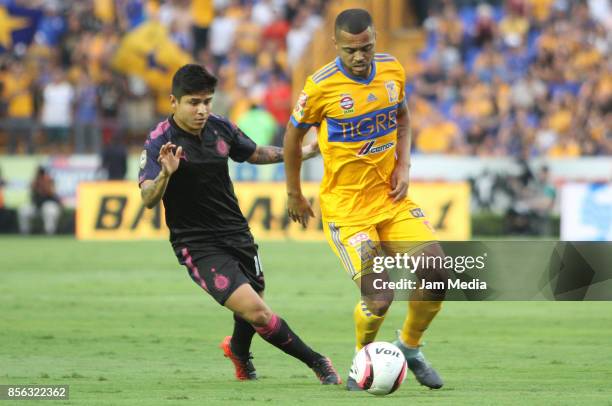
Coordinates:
<point>245,370</point>
<point>326,372</point>
<point>352,385</point>
<point>423,372</point>
<point>351,382</point>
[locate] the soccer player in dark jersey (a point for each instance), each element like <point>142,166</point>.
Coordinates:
<point>185,165</point>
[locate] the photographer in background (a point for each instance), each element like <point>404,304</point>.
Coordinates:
<point>44,202</point>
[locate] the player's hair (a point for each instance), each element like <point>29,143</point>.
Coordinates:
<point>353,21</point>
<point>192,78</point>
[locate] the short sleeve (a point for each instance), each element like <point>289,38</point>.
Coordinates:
<point>308,110</point>
<point>149,167</point>
<point>242,147</point>
<point>402,82</point>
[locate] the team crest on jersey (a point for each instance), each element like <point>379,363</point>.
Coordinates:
<point>392,91</point>
<point>221,282</point>
<point>347,104</point>
<point>222,147</point>
<point>300,105</point>
<point>143,159</point>
<point>369,148</point>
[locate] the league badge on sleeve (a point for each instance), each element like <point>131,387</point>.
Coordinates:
<point>300,105</point>
<point>392,91</point>
<point>143,159</point>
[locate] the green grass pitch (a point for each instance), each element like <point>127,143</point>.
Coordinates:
<point>123,324</point>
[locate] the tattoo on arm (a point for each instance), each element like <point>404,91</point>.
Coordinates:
<point>153,190</point>
<point>403,122</point>
<point>266,155</point>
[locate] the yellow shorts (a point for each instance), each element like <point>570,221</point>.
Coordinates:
<point>356,245</point>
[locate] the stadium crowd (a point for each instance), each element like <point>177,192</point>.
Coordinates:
<point>526,78</point>
<point>62,93</point>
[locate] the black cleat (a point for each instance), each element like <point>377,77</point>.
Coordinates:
<point>352,385</point>
<point>326,372</point>
<point>423,372</point>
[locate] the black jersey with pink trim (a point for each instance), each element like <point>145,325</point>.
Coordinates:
<point>200,202</point>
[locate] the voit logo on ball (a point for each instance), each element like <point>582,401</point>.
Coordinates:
<point>347,104</point>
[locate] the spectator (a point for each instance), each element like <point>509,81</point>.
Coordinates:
<point>482,64</point>
<point>439,136</point>
<point>111,92</point>
<point>86,133</point>
<point>44,202</point>
<point>222,33</point>
<point>58,99</point>
<point>259,125</point>
<point>484,32</point>
<point>114,159</point>
<point>514,26</point>
<point>299,35</point>
<point>20,110</point>
<point>203,15</point>
<point>277,99</point>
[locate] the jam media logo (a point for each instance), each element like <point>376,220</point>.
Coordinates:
<point>347,103</point>
<point>368,148</point>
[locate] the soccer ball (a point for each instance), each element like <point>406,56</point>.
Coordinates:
<point>379,368</point>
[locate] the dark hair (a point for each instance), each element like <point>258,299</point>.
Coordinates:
<point>192,78</point>
<point>353,21</point>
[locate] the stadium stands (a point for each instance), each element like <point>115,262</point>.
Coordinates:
<point>493,79</point>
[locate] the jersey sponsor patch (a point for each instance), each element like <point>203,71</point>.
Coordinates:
<point>358,238</point>
<point>365,127</point>
<point>392,91</point>
<point>369,148</point>
<point>301,104</point>
<point>347,104</point>
<point>143,159</point>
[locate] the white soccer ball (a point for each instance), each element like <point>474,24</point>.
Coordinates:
<point>379,368</point>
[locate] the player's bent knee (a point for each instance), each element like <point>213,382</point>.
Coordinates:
<point>259,317</point>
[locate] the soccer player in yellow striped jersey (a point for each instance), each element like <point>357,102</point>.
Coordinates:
<point>358,105</point>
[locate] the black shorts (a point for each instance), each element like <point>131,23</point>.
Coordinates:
<point>220,270</point>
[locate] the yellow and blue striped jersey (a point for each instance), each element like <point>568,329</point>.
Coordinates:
<point>357,134</point>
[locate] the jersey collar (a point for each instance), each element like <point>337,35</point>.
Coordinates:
<point>183,132</point>
<point>355,78</point>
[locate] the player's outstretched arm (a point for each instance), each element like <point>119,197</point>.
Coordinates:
<point>151,191</point>
<point>298,207</point>
<point>270,155</point>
